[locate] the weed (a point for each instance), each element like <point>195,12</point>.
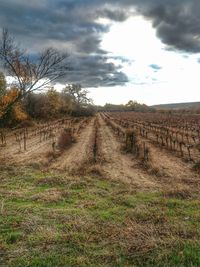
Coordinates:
<point>13,237</point>
<point>65,139</point>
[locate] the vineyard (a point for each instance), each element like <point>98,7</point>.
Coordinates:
<point>26,144</point>
<point>147,137</point>
<point>124,179</point>
<point>177,134</point>
<point>99,133</point>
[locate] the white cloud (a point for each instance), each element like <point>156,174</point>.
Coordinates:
<point>178,80</point>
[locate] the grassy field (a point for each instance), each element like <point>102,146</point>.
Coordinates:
<point>53,219</point>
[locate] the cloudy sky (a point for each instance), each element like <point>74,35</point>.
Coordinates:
<point>144,50</point>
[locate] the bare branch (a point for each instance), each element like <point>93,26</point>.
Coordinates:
<point>48,67</point>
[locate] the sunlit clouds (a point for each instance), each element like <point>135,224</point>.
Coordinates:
<point>156,74</point>
<point>144,50</point>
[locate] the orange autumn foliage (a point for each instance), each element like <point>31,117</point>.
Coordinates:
<point>17,114</point>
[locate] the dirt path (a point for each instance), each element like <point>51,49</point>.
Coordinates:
<point>79,154</point>
<point>120,166</point>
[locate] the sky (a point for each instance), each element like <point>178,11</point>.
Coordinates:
<point>120,50</point>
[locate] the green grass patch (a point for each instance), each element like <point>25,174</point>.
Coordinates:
<point>50,219</point>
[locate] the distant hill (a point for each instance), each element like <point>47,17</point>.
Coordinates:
<point>176,106</point>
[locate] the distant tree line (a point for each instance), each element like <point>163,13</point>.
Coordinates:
<point>130,106</point>
<point>191,110</point>
<point>137,107</point>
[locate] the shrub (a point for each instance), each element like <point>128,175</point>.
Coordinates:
<point>51,155</point>
<point>65,139</point>
<point>26,123</point>
<point>131,140</point>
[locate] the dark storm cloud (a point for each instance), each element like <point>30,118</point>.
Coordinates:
<point>94,71</point>
<point>73,25</point>
<point>178,24</point>
<point>66,25</point>
<point>114,14</point>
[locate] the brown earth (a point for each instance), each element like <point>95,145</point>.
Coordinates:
<point>97,147</point>
<point>36,151</point>
<point>118,165</point>
<point>79,153</point>
<point>171,173</point>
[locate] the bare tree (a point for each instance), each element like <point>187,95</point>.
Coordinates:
<point>30,73</point>
<point>77,94</point>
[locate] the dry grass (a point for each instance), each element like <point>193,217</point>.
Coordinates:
<point>65,139</point>
<point>52,155</point>
<point>142,238</point>
<point>48,196</point>
<point>44,234</point>
<point>31,223</point>
<point>96,170</point>
<point>51,181</point>
<point>154,169</point>
<point>179,192</point>
<point>61,220</point>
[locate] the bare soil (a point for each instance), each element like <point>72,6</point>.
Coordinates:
<point>36,149</point>
<point>166,172</point>
<point>79,153</point>
<point>97,147</point>
<point>173,171</point>
<point>119,165</point>
<point>35,152</point>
